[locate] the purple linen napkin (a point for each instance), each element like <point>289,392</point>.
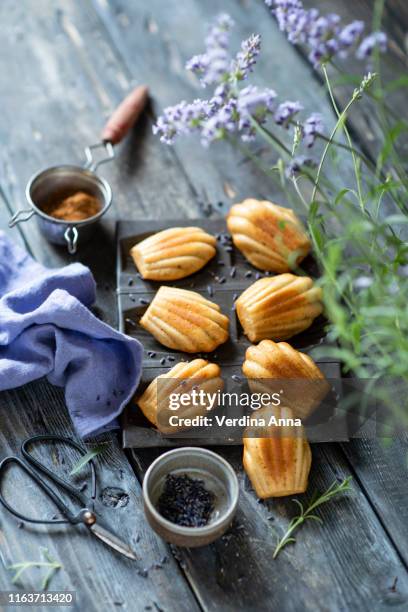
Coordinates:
<point>47,330</point>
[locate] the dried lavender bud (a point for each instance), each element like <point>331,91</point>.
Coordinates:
<point>236,378</point>
<point>233,271</point>
<point>222,280</point>
<point>210,290</point>
<point>151,354</point>
<point>143,301</point>
<point>162,361</point>
<point>143,573</point>
<point>257,276</point>
<point>130,282</point>
<point>171,358</point>
<point>248,274</point>
<point>186,501</point>
<point>228,249</point>
<point>130,322</point>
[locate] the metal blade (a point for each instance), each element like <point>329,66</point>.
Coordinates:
<point>112,540</point>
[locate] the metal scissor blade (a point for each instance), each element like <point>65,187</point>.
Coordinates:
<point>112,540</point>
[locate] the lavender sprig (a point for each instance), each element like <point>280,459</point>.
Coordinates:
<point>324,36</point>
<point>231,110</point>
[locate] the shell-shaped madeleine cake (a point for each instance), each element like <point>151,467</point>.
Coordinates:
<point>185,321</point>
<point>173,253</point>
<point>271,237</point>
<point>278,307</point>
<point>157,400</point>
<point>277,458</point>
<point>272,367</point>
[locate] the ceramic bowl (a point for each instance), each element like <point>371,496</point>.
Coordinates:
<point>219,478</point>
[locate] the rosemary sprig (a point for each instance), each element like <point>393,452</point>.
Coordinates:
<point>307,514</point>
<point>46,561</point>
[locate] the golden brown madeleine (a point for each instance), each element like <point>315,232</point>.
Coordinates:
<point>303,384</point>
<point>271,237</point>
<point>155,402</point>
<point>278,307</point>
<point>185,321</point>
<point>173,253</point>
<point>277,458</point>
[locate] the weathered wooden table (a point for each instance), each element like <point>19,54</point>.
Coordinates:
<point>64,66</point>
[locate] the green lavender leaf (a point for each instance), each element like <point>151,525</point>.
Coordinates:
<point>97,450</point>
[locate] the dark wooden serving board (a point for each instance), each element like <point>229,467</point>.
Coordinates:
<point>134,295</point>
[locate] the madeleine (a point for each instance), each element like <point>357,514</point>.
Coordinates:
<point>185,321</point>
<point>304,385</point>
<point>173,253</point>
<point>277,458</point>
<point>278,307</point>
<point>271,237</point>
<point>155,402</point>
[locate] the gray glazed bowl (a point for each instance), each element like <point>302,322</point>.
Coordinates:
<point>218,477</point>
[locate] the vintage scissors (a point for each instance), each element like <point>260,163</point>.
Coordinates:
<point>86,514</point>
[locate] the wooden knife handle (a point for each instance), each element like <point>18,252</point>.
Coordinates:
<point>126,115</point>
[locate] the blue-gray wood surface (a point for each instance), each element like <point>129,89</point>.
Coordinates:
<point>64,65</point>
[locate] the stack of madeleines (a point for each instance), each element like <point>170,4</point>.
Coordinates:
<point>271,310</point>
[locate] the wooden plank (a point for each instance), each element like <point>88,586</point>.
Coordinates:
<point>101,578</point>
<point>345,564</point>
<point>381,468</point>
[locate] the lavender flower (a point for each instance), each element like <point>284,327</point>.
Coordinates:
<point>311,127</point>
<point>297,163</point>
<point>182,118</point>
<point>218,35</point>
<point>286,111</point>
<point>246,58</point>
<point>223,121</point>
<point>215,64</point>
<point>366,48</point>
<point>324,35</point>
<point>255,101</point>
<point>350,34</point>
<point>230,110</point>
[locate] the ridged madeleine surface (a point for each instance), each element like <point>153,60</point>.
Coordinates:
<point>173,253</point>
<point>271,237</point>
<point>155,402</point>
<point>278,307</point>
<point>278,461</point>
<point>303,384</point>
<point>185,321</point>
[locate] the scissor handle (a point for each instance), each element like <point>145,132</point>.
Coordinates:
<point>69,516</point>
<point>64,484</point>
